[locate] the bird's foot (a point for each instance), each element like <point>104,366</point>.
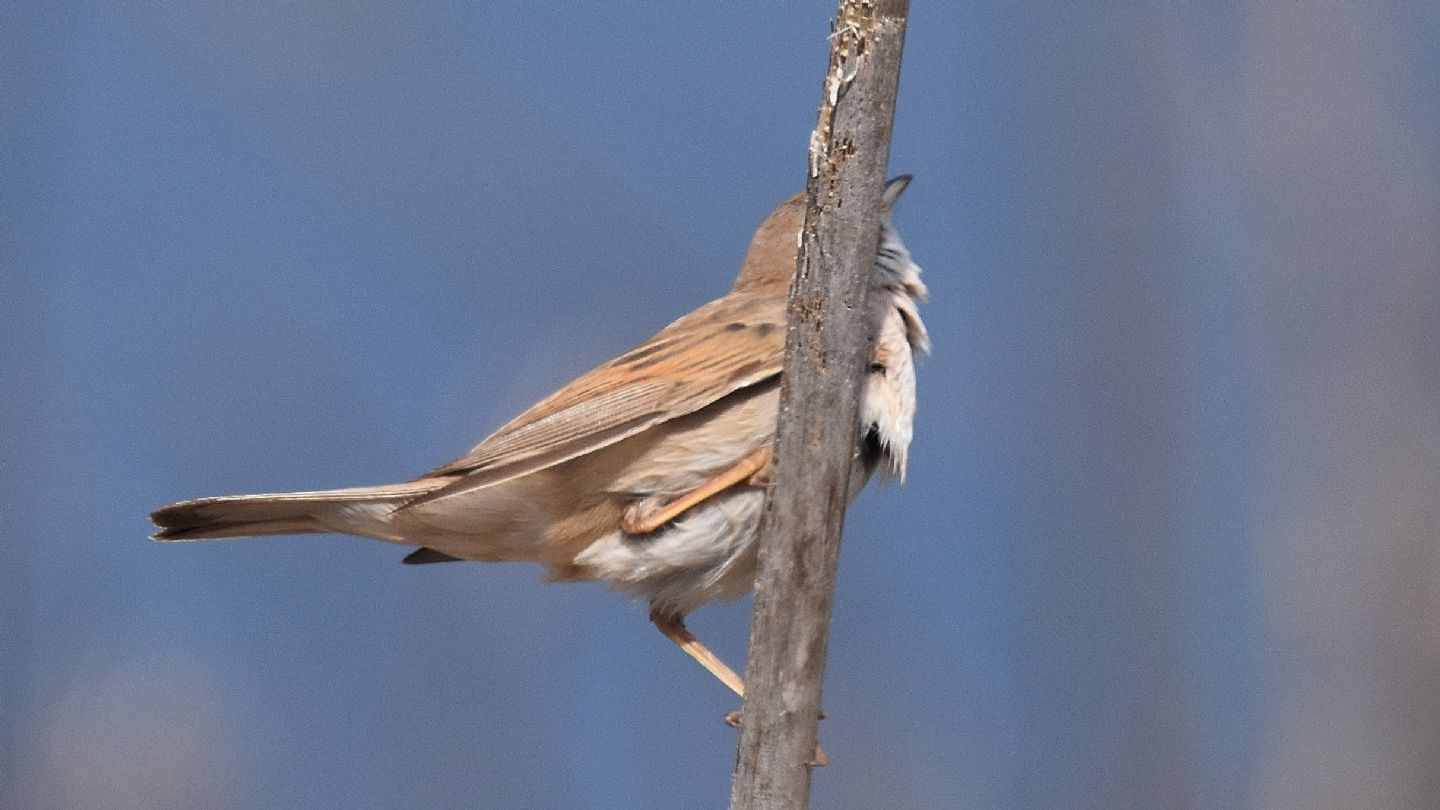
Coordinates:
<point>818,760</point>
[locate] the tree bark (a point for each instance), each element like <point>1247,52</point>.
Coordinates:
<point>826,355</point>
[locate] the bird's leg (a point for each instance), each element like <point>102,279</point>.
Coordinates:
<point>675,630</point>
<point>647,515</point>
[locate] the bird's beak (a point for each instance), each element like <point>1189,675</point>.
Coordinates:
<point>894,187</point>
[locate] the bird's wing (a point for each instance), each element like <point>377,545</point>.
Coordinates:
<point>722,347</point>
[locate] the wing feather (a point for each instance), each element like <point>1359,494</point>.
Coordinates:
<point>722,347</point>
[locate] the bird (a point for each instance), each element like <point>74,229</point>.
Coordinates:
<point>648,472</point>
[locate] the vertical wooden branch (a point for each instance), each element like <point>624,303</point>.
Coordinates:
<point>826,356</point>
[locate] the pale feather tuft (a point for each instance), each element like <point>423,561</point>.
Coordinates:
<point>889,404</point>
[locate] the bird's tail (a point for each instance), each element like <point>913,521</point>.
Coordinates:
<point>335,510</point>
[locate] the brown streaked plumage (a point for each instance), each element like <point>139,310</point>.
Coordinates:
<point>646,472</point>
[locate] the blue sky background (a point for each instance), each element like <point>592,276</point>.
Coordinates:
<point>1169,536</point>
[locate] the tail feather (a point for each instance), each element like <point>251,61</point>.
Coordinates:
<point>277,513</point>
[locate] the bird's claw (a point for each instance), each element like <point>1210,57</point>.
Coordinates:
<point>818,760</point>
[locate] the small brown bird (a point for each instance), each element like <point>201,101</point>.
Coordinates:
<point>647,472</point>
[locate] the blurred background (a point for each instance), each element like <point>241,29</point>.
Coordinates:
<point>1170,536</point>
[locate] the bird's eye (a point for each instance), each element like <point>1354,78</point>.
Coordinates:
<point>878,368</point>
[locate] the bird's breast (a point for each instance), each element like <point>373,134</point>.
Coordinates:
<point>887,412</point>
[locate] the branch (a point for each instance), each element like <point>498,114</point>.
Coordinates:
<point>827,352</point>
